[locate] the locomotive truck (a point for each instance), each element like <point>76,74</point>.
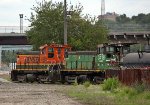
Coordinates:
<point>56,62</point>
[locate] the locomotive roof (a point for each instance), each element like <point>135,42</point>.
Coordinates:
<point>28,52</point>
<point>54,45</point>
<point>82,52</point>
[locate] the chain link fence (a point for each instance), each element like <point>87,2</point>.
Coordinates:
<point>13,29</point>
<point>111,27</point>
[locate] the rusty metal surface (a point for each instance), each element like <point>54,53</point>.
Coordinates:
<point>145,76</point>
<point>130,76</point>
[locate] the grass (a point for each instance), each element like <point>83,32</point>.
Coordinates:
<point>92,95</point>
<point>121,95</point>
<point>110,84</point>
<point>100,95</point>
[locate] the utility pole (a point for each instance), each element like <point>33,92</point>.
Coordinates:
<point>21,23</point>
<point>65,22</point>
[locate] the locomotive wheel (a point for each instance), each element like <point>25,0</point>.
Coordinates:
<point>40,81</point>
<point>21,78</point>
<point>53,80</point>
<point>31,78</point>
<point>81,79</point>
<point>98,80</point>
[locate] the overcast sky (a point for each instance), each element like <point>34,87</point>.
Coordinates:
<point>10,9</point>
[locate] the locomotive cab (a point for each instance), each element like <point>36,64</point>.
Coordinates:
<point>53,53</point>
<point>113,53</point>
<point>106,50</point>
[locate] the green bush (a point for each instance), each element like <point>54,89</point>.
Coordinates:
<point>110,84</point>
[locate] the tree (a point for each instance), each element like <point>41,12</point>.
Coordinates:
<point>8,56</point>
<point>141,18</point>
<point>47,26</point>
<point>85,33</point>
<point>123,19</point>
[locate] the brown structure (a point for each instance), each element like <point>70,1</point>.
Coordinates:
<point>13,39</point>
<point>113,37</point>
<point>130,76</point>
<point>109,16</point>
<point>128,37</point>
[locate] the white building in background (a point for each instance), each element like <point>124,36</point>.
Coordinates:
<point>109,16</point>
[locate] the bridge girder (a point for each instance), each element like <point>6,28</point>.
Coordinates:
<point>130,37</point>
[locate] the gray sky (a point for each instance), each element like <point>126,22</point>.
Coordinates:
<point>10,9</point>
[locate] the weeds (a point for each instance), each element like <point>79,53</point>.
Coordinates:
<point>86,84</point>
<point>147,96</point>
<point>75,83</point>
<point>114,93</point>
<point>139,87</point>
<point>90,94</point>
<point>110,84</point>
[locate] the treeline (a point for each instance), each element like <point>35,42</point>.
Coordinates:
<point>139,19</point>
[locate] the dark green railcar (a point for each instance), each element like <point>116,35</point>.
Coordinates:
<point>91,65</point>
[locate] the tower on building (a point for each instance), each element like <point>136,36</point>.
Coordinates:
<point>102,8</point>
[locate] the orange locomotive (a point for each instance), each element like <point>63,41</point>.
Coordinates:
<point>43,65</point>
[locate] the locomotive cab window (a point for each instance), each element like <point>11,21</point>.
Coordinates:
<point>100,50</point>
<point>109,55</point>
<point>50,52</point>
<point>110,49</point>
<point>66,53</point>
<point>43,51</point>
<point>59,50</point>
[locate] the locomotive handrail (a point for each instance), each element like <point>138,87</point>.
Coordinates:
<point>81,65</point>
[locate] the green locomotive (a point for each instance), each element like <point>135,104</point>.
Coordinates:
<point>91,65</point>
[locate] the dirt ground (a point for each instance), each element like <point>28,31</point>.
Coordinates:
<point>33,94</point>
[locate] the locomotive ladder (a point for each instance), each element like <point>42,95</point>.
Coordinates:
<point>54,71</point>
